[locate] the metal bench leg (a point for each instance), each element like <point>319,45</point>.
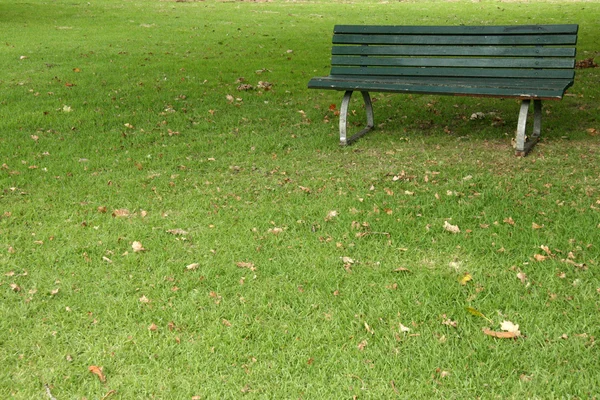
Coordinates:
<point>524,144</point>
<point>344,117</point>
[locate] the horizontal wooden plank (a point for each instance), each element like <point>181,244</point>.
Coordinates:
<point>401,87</point>
<point>454,62</point>
<point>504,40</point>
<point>487,51</point>
<point>506,83</point>
<point>457,72</point>
<point>458,30</point>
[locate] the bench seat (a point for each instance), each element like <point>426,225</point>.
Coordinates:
<point>526,62</point>
<point>546,89</point>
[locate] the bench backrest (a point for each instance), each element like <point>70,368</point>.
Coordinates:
<point>535,51</point>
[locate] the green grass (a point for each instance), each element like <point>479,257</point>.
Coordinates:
<point>151,130</point>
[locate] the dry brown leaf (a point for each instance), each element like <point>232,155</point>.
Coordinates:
<point>509,221</point>
<point>451,228</point>
<point>243,264</point>
<point>177,231</point>
<point>536,226</point>
<point>331,215</point>
<point>144,300</point>
<point>121,213</point>
<point>152,327</point>
<point>539,257</point>
<point>226,323</point>
<point>402,269</point>
<point>361,346</point>
<point>137,247</point>
<point>510,327</point>
<point>522,276</point>
<point>500,335</point>
<point>98,372</point>
<point>546,250</point>
<point>192,266</point>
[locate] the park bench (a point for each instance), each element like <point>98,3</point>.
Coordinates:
<point>529,62</point>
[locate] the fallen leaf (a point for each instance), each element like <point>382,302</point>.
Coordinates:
<point>451,228</point>
<point>361,346</point>
<point>330,215</point>
<point>473,311</point>
<point>403,328</point>
<point>249,265</point>
<point>192,266</point>
<point>121,213</point>
<point>509,221</point>
<point>466,278</point>
<point>510,327</point>
<point>226,323</point>
<point>500,335</point>
<point>539,257</point>
<point>177,231</point>
<point>522,276</point>
<point>536,226</point>
<point>98,372</point>
<point>402,269</point>
<point>369,329</point>
<point>15,288</point>
<point>152,327</point>
<point>144,300</point>
<point>137,247</point>
<point>546,250</point>
<point>347,260</point>
<point>449,322</point>
<point>275,231</point>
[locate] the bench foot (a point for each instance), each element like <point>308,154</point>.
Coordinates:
<point>524,144</point>
<point>344,118</point>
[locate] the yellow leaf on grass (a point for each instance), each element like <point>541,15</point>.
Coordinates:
<point>466,278</point>
<point>477,313</point>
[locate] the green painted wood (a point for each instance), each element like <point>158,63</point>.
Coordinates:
<point>530,84</point>
<point>344,85</point>
<point>459,30</point>
<point>454,62</point>
<point>505,40</point>
<point>568,74</point>
<point>535,61</point>
<point>477,51</point>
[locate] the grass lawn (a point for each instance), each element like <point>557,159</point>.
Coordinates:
<point>169,233</point>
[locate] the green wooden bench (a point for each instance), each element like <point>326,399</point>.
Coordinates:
<point>532,62</point>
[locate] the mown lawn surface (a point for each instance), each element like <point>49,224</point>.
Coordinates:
<point>167,232</point>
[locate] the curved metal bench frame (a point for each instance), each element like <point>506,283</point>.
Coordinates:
<point>344,118</point>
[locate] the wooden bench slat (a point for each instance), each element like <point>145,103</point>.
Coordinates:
<point>554,63</point>
<point>477,51</point>
<point>457,72</point>
<point>459,30</point>
<point>505,40</point>
<point>506,83</point>
<point>476,91</point>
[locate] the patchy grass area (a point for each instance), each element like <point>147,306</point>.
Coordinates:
<point>178,221</point>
